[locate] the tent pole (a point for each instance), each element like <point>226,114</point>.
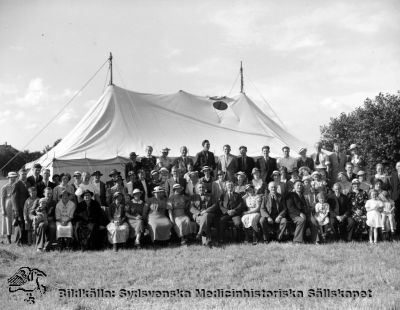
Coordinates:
<point>111,69</point>
<point>241,78</point>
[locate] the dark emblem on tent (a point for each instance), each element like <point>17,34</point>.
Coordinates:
<point>220,105</point>
<point>27,280</point>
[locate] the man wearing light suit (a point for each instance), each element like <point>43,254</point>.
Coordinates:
<point>266,165</point>
<point>273,214</point>
<point>228,164</point>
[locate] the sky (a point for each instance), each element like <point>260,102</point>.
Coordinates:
<point>309,60</point>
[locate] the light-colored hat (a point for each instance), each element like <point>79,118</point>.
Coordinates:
<point>254,170</point>
<point>177,186</point>
<point>303,149</point>
<point>116,194</point>
<point>206,168</point>
<point>353,146</point>
<point>240,173</point>
<point>136,191</point>
<point>163,169</point>
<point>355,181</point>
<point>77,173</point>
<point>276,172</point>
<point>158,189</point>
<point>153,172</point>
<point>360,172</point>
<point>12,174</point>
<point>306,177</point>
<point>315,173</point>
<point>165,149</point>
<point>249,186</point>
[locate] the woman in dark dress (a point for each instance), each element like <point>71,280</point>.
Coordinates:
<point>88,218</point>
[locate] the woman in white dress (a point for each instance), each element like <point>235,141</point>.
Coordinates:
<point>118,228</point>
<point>65,209</point>
<point>6,205</point>
<point>251,217</point>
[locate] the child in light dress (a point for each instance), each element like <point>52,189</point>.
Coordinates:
<point>374,218</point>
<point>388,211</point>
<point>318,183</point>
<point>322,215</point>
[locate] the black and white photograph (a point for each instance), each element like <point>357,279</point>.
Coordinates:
<point>199,154</point>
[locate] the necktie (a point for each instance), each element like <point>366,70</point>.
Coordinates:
<point>244,163</point>
<point>317,159</point>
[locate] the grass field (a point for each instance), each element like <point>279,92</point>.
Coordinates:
<point>354,266</point>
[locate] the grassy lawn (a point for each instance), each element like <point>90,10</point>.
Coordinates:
<point>356,266</point>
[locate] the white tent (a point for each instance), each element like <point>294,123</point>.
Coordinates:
<point>123,121</point>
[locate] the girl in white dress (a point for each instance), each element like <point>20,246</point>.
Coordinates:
<point>374,207</point>
<point>65,209</point>
<point>251,217</point>
<point>322,215</point>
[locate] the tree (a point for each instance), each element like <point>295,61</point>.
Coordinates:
<point>375,127</point>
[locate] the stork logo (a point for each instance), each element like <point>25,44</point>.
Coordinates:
<point>28,280</point>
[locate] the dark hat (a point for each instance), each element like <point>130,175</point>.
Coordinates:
<point>97,172</point>
<point>132,154</point>
<point>37,166</point>
<point>114,171</point>
<point>86,191</point>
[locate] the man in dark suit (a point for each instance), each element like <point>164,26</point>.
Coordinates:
<point>36,178</point>
<point>395,186</point>
<point>18,196</point>
<point>205,158</point>
<point>340,214</point>
<point>245,163</point>
<point>300,213</point>
<point>273,213</point>
<point>114,176</point>
<point>174,179</point>
<point>100,193</point>
<point>231,207</point>
<point>349,172</point>
<point>266,165</point>
<point>44,183</point>
<point>133,165</point>
<point>143,185</point>
<point>205,211</point>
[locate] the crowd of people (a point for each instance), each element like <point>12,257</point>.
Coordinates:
<point>206,199</point>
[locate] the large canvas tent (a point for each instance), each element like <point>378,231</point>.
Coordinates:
<point>123,121</point>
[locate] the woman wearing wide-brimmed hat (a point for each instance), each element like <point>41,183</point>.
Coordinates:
<point>118,228</point>
<point>118,187</point>
<point>88,217</point>
<point>6,205</point>
<point>178,209</point>
<point>156,214</point>
<point>251,217</point>
<point>64,214</point>
<point>134,212</point>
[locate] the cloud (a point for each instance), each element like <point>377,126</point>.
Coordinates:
<point>67,116</point>
<point>173,53</point>
<point>19,115</point>
<point>7,89</point>
<point>4,115</point>
<point>30,126</point>
<point>16,48</point>
<point>35,96</point>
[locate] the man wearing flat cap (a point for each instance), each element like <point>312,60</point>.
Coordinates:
<point>245,163</point>
<point>114,174</point>
<point>100,189</point>
<point>132,165</point>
